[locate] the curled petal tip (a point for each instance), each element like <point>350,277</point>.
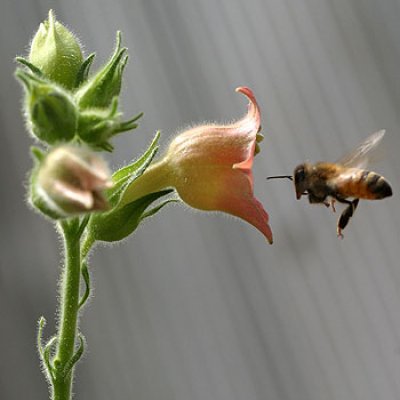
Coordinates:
<point>247,92</point>
<point>253,113</point>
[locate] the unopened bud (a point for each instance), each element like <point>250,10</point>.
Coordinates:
<point>56,52</point>
<point>71,180</point>
<point>50,110</point>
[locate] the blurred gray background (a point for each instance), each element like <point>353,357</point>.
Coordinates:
<point>196,305</point>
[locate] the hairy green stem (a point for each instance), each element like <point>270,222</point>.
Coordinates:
<point>69,308</point>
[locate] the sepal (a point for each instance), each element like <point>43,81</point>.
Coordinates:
<point>122,220</point>
<point>83,72</point>
<point>119,223</point>
<point>97,125</point>
<point>35,70</point>
<point>100,90</point>
<point>125,176</point>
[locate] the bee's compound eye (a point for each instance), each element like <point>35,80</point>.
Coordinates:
<point>299,174</point>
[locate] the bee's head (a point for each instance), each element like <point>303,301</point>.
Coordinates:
<point>300,176</point>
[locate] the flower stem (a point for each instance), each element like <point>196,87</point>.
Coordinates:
<point>69,308</point>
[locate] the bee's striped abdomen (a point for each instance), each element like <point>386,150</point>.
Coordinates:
<point>362,184</point>
<point>375,186</point>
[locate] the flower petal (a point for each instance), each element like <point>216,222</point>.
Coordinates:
<point>239,201</point>
<point>231,144</point>
<point>227,190</point>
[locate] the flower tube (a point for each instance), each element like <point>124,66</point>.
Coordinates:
<point>210,166</point>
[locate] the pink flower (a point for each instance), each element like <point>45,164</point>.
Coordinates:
<point>210,166</point>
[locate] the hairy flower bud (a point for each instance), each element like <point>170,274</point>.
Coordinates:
<point>71,180</point>
<point>56,52</point>
<point>51,112</point>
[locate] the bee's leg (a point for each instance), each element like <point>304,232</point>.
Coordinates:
<point>346,215</point>
<point>330,203</point>
<point>313,199</point>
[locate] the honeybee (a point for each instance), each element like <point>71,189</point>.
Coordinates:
<point>346,181</point>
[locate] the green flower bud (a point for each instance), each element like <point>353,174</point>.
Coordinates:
<point>51,112</point>
<point>100,90</point>
<point>70,180</point>
<point>97,125</point>
<point>56,52</point>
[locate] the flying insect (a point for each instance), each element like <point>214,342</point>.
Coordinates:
<point>345,181</point>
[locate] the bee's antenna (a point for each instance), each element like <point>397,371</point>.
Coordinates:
<point>281,177</point>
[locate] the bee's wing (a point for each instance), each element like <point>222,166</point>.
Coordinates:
<point>360,156</point>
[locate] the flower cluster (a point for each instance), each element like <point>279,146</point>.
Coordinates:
<point>63,102</point>
<point>73,113</point>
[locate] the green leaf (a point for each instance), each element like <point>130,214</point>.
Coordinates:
<point>45,352</point>
<point>39,338</point>
<point>119,223</point>
<point>76,357</point>
<point>48,349</point>
<point>86,278</point>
